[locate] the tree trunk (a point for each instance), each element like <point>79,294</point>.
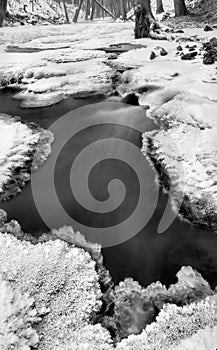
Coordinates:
<point>32,1</point>
<point>3,9</point>
<point>146,4</point>
<point>160,8</point>
<point>93,9</point>
<point>97,11</point>
<point>87,10</point>
<point>142,24</point>
<point>144,18</point>
<point>123,9</point>
<point>180,8</point>
<point>105,9</point>
<point>66,13</point>
<point>103,12</point>
<point>145,24</point>
<point>116,8</point>
<point>75,19</point>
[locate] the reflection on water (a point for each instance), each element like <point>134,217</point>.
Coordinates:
<point>148,256</point>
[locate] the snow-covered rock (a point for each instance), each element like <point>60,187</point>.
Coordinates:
<point>18,144</point>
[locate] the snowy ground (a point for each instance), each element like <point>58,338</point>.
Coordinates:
<point>53,62</point>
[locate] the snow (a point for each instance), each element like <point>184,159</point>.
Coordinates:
<point>140,57</point>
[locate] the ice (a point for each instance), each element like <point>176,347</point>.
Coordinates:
<point>39,100</point>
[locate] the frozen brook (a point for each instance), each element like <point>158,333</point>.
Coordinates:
<point>138,132</point>
<point>51,63</point>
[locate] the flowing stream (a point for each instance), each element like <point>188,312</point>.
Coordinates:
<point>148,256</point>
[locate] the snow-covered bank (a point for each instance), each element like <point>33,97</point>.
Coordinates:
<point>188,158</point>
<point>18,144</point>
<point>184,152</point>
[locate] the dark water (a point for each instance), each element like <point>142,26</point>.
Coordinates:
<point>148,256</point>
<point>44,117</point>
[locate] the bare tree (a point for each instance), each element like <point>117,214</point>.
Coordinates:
<point>147,26</point>
<point>179,6</point>
<point>145,23</point>
<point>93,10</point>
<point>116,8</point>
<point>65,9</point>
<point>87,14</point>
<point>104,9</point>
<point>123,8</point>
<point>75,19</point>
<point>3,9</point>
